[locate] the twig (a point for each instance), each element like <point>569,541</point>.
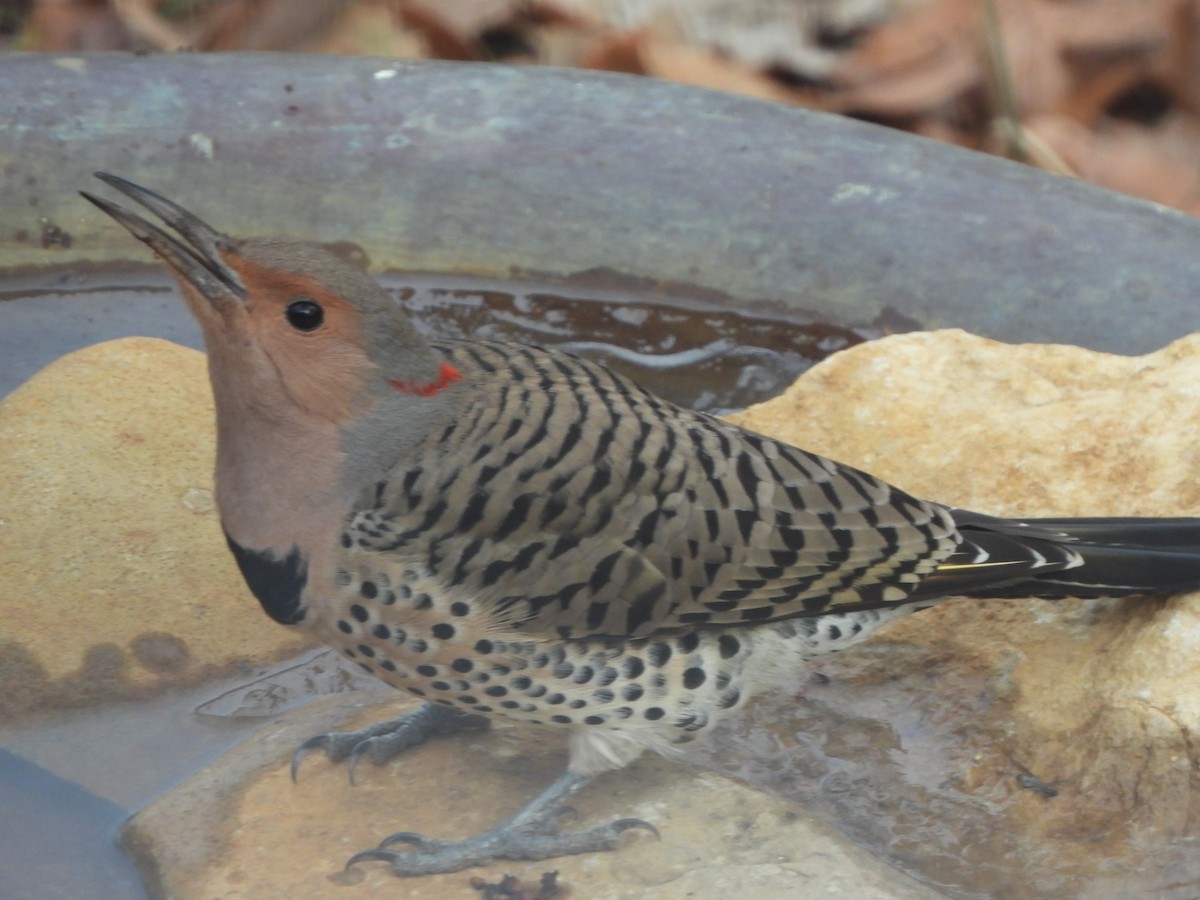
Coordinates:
<point>1010,114</point>
<point>143,22</point>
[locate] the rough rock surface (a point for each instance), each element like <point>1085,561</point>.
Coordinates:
<point>112,574</point>
<point>1098,698</point>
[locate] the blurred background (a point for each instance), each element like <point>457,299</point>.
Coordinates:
<point>1103,90</point>
<point>718,270</point>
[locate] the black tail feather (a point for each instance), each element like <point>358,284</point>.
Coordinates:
<point>1126,531</point>
<point>1050,558</point>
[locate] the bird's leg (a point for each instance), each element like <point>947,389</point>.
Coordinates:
<point>531,833</point>
<point>383,740</point>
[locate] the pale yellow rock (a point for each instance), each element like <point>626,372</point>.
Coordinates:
<point>114,577</point>
<point>1106,693</point>
<point>1024,429</point>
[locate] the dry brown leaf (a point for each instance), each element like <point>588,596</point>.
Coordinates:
<point>67,26</point>
<point>1181,62</point>
<point>1040,78</point>
<point>615,52</point>
<point>1094,95</point>
<point>1159,164</point>
<point>569,45</point>
<point>370,29</point>
<point>793,36</point>
<point>909,41</point>
<point>913,64</point>
<point>924,61</point>
<point>936,130</point>
<point>468,19</point>
<point>643,54</point>
<point>141,20</point>
<point>453,29</point>
<point>704,68</point>
<point>268,24</point>
<point>1111,27</point>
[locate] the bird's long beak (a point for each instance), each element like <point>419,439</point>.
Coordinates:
<point>199,261</point>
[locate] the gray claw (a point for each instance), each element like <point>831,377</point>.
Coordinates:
<point>626,824</point>
<point>531,833</point>
<point>405,837</point>
<point>320,740</point>
<point>355,755</point>
<point>384,740</point>
<point>375,853</point>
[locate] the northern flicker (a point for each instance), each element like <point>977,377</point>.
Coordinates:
<point>510,531</point>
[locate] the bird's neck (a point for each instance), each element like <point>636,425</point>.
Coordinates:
<point>287,483</point>
<point>278,484</point>
<point>392,433</point>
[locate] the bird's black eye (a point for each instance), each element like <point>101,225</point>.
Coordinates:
<point>305,314</point>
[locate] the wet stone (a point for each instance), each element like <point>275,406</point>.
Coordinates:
<point>114,577</point>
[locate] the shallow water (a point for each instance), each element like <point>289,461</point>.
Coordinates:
<point>692,349</point>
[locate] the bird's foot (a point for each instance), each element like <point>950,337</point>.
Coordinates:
<point>383,740</point>
<point>533,833</point>
<point>429,856</point>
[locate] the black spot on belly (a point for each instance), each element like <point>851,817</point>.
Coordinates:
<point>277,583</point>
<point>658,653</point>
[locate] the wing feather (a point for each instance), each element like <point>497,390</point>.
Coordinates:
<point>625,515</point>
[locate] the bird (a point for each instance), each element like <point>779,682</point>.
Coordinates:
<point>512,532</point>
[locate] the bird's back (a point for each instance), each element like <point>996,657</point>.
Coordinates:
<point>577,504</point>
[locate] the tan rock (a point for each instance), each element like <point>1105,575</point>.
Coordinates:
<point>114,579</point>
<point>1101,698</point>
<point>1025,429</point>
<point>242,829</point>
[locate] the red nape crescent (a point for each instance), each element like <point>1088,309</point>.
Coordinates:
<point>447,375</point>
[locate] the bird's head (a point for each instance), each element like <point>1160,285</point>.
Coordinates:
<point>321,382</point>
<point>290,328</point>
